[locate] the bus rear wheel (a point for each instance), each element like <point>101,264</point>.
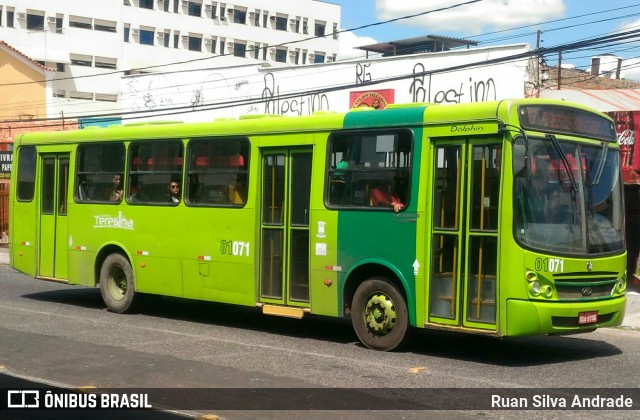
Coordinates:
<point>116,283</point>
<point>379,315</point>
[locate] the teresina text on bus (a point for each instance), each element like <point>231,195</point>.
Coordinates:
<point>117,222</point>
<point>466,128</point>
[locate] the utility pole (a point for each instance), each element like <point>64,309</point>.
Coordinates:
<point>539,70</point>
<point>559,69</point>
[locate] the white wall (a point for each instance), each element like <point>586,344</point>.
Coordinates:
<point>292,91</point>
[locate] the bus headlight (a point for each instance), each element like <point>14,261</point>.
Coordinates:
<point>546,291</point>
<point>535,288</point>
<point>531,276</point>
<point>621,286</point>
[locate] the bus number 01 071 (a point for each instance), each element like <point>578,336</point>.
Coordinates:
<point>235,248</point>
<point>552,265</point>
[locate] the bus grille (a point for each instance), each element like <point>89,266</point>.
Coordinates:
<point>598,286</point>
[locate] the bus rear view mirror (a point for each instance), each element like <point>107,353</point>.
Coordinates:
<point>519,160</point>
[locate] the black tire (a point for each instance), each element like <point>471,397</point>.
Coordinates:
<point>379,315</point>
<point>116,283</point>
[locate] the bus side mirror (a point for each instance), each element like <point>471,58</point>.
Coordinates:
<point>519,153</point>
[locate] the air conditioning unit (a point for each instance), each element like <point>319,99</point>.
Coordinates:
<point>229,44</point>
<point>312,56</point>
<point>252,14</point>
<point>135,31</point>
<point>293,21</point>
<point>272,18</point>
<point>185,37</point>
<point>231,11</point>
<point>207,7</point>
<point>222,18</point>
<point>272,50</point>
<point>51,19</point>
<point>208,41</point>
<point>21,15</point>
<point>160,35</point>
<point>292,53</point>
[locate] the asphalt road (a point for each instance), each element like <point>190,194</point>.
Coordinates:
<point>62,336</point>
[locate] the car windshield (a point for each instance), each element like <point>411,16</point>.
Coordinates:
<point>568,197</point>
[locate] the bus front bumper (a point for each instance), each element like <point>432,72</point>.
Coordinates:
<point>525,317</point>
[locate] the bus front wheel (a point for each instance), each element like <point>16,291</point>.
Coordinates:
<point>379,315</point>
<point>116,283</point>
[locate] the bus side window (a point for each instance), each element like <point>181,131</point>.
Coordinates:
<point>217,172</point>
<point>97,166</point>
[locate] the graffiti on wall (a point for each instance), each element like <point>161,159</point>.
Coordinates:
<point>303,104</point>
<point>469,90</point>
<point>304,90</point>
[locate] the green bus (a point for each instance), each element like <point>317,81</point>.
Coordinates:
<point>501,218</point>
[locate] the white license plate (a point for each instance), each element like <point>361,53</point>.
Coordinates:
<point>587,318</point>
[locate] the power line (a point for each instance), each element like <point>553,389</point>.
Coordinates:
<point>635,34</point>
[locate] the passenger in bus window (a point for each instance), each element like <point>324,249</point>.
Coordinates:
<point>174,192</point>
<point>116,191</point>
<point>383,196</point>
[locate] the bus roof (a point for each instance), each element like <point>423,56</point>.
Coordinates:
<point>395,114</point>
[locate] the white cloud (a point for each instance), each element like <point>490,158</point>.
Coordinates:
<point>470,19</point>
<point>349,41</point>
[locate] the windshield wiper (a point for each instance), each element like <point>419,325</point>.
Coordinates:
<point>565,162</point>
<point>600,170</point>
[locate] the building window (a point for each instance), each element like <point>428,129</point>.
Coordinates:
<point>146,37</point>
<point>239,50</point>
<point>80,22</point>
<point>320,28</point>
<point>35,22</point>
<point>104,26</point>
<point>319,58</point>
<point>194,9</point>
<point>9,18</point>
<point>166,5</point>
<point>58,25</point>
<point>126,33</point>
<point>105,63</point>
<point>281,23</point>
<point>239,16</point>
<point>81,60</point>
<point>281,55</point>
<point>146,4</point>
<point>176,40</point>
<point>165,39</point>
<point>195,43</point>
<point>60,67</point>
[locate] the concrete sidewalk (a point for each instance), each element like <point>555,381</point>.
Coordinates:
<point>631,318</point>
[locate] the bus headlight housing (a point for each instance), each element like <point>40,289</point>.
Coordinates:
<point>621,286</point>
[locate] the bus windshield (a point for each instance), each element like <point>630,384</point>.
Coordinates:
<point>567,197</point>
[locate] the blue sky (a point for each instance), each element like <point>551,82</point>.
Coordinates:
<point>561,22</point>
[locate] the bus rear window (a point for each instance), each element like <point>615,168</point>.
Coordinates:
<point>26,173</point>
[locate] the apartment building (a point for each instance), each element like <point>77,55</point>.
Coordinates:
<point>92,44</point>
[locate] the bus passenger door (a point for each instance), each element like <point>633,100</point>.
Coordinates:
<point>285,201</point>
<point>53,216</point>
<point>463,282</point>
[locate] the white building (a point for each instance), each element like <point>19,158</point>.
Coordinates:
<point>110,38</point>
